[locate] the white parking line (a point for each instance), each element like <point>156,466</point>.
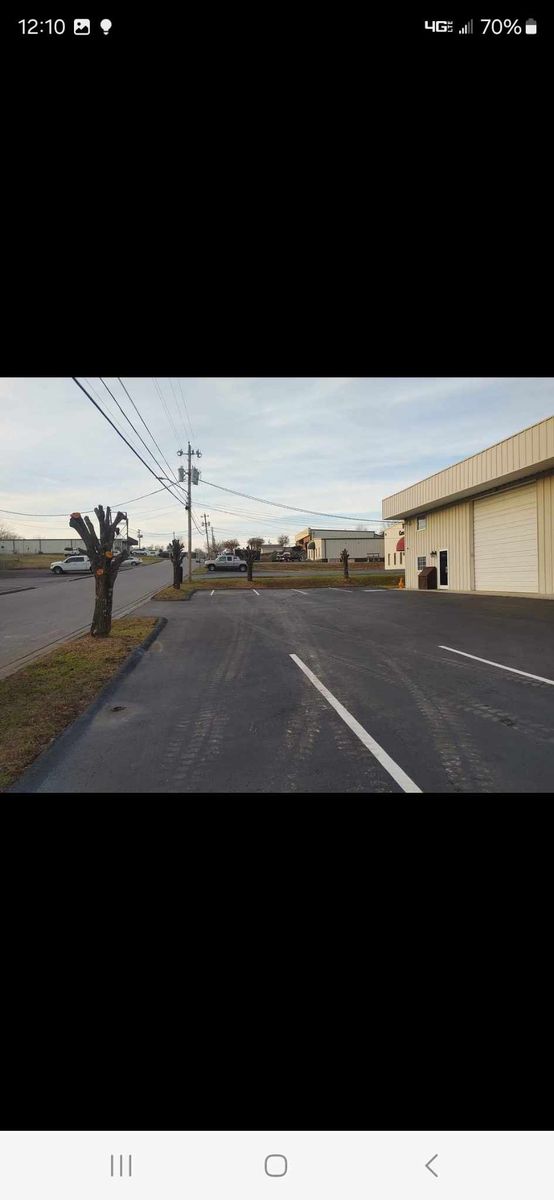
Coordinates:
<point>300,592</point>
<point>381,755</point>
<point>211,593</point>
<point>336,589</point>
<point>255,592</point>
<point>489,663</point>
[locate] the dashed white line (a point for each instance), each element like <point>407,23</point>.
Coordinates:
<point>501,666</point>
<point>381,755</point>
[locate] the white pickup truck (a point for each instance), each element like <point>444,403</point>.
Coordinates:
<point>226,562</point>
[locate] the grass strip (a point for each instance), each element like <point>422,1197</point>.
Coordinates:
<point>187,590</point>
<point>38,702</point>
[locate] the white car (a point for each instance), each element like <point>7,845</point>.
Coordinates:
<point>74,562</point>
<point>80,562</point>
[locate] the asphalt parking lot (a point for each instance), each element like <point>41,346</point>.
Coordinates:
<point>327,691</point>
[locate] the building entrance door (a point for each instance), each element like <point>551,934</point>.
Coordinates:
<point>443,568</point>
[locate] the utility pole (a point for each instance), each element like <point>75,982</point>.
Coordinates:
<point>206,523</point>
<point>190,453</point>
<point>213,540</point>
<point>139,535</point>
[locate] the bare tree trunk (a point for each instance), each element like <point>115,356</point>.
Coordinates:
<point>344,559</point>
<point>176,575</point>
<point>102,618</point>
<point>104,563</point>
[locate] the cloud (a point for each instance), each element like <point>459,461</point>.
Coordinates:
<point>336,445</point>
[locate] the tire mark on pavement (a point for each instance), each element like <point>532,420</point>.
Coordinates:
<point>463,766</point>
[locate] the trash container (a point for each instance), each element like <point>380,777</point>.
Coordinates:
<point>427,578</point>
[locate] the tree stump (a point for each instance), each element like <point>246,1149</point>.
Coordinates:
<point>104,563</point>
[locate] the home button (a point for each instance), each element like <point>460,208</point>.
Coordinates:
<point>276,1164</point>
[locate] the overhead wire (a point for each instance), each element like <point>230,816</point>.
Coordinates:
<point>186,409</point>
<point>121,435</point>
<point>149,431</point>
<point>293,507</point>
<point>165,408</point>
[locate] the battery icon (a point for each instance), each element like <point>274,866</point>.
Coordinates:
<point>530,26</point>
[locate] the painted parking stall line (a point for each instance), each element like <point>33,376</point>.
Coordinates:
<point>299,592</point>
<point>501,667</point>
<point>381,755</point>
<point>255,592</point>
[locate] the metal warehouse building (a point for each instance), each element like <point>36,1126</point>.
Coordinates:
<point>328,544</point>
<point>486,523</point>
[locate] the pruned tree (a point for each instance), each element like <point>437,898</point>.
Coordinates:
<point>104,563</point>
<point>251,557</point>
<point>7,535</point>
<point>344,560</point>
<point>255,542</point>
<point>231,544</point>
<point>283,540</point>
<point>176,554</point>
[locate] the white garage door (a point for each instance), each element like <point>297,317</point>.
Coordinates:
<point>506,541</point>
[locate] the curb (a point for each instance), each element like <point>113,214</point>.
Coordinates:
<point>11,591</point>
<point>56,748</point>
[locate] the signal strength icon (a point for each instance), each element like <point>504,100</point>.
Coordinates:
<point>467,28</point>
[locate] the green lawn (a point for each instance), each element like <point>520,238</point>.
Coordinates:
<point>38,702</point>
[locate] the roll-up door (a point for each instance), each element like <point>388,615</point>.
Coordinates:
<point>505,527</point>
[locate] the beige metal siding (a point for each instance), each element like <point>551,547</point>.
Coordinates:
<point>526,452</point>
<point>447,529</point>
<point>505,531</point>
<point>545,531</point>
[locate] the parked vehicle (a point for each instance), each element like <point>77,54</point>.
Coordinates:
<point>291,556</point>
<point>226,562</point>
<point>74,563</point>
<point>141,553</point>
<point>130,562</point>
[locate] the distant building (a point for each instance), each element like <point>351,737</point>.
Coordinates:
<point>40,545</point>
<point>394,547</point>
<point>52,545</point>
<point>364,545</point>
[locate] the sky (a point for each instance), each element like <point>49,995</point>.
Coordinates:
<point>333,446</point>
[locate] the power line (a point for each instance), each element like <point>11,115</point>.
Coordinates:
<point>186,409</point>
<point>294,507</point>
<point>146,426</point>
<point>86,511</point>
<point>147,448</point>
<point>170,469</point>
<point>121,435</point>
<point>179,410</point>
<point>166,410</point>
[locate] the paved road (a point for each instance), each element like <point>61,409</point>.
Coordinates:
<point>61,606</point>
<point>218,705</point>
